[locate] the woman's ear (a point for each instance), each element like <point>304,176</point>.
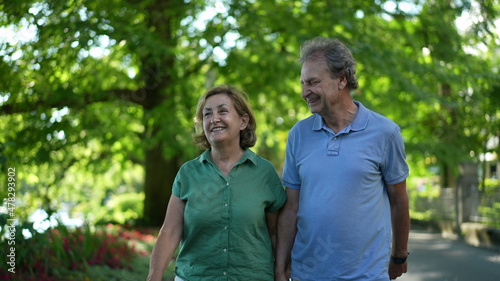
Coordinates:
<point>244,121</point>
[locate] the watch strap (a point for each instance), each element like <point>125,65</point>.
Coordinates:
<point>398,260</point>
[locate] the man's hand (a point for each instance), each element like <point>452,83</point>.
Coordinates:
<point>396,270</point>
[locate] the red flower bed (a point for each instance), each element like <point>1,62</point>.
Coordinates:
<point>45,256</point>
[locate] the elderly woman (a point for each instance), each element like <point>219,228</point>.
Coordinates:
<point>224,203</point>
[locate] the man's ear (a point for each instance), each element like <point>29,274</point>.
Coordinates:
<point>342,82</point>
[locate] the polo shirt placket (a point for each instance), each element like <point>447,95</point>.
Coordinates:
<point>334,146</point>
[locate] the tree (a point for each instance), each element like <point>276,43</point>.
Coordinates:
<point>101,83</point>
<point>415,66</point>
<point>105,88</point>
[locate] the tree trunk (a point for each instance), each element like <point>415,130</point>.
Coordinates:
<point>448,135</point>
<point>159,74</point>
<point>160,174</point>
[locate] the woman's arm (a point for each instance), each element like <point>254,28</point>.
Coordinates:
<point>168,238</point>
<point>272,219</point>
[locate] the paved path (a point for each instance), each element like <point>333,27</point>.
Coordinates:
<point>433,258</point>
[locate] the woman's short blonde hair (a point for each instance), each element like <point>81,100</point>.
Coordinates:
<point>239,98</point>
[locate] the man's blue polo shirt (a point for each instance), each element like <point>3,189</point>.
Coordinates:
<point>344,220</point>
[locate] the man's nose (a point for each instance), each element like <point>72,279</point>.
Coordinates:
<point>305,91</point>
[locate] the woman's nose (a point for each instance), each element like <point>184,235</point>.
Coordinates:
<point>215,118</point>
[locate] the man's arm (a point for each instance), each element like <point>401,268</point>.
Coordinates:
<point>287,229</point>
<point>400,217</point>
<point>168,239</point>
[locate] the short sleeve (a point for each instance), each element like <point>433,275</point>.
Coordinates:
<point>277,191</point>
<point>395,169</point>
<point>290,174</point>
<point>177,188</point>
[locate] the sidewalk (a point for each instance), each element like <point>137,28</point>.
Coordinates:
<point>433,258</point>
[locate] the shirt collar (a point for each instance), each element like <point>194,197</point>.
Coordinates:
<point>247,155</point>
<point>359,123</point>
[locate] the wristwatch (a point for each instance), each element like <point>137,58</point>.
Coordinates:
<point>399,260</point>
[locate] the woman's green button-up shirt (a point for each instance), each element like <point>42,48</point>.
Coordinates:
<point>225,232</point>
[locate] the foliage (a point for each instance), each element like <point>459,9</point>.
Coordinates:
<point>421,196</point>
<point>492,214</point>
<point>83,253</point>
<point>97,95</point>
<point>429,202</point>
<point>491,186</point>
<point>490,203</point>
<point>121,208</point>
<point>124,208</point>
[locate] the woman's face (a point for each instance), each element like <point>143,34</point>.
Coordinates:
<point>221,122</point>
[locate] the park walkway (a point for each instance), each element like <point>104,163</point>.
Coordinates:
<point>434,258</point>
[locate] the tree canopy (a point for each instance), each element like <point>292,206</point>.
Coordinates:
<point>97,98</point>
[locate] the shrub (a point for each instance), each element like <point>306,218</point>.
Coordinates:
<point>121,208</point>
<point>61,253</point>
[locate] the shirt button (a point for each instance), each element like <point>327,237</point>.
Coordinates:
<point>225,204</point>
<point>225,250</point>
<point>225,227</point>
<point>225,273</point>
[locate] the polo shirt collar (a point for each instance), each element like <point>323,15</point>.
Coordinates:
<point>247,155</point>
<point>360,121</point>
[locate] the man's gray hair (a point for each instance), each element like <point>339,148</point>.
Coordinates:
<point>337,56</point>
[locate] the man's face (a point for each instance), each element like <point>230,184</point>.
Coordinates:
<point>319,89</point>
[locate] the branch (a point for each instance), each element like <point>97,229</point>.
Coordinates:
<point>197,66</point>
<point>76,101</point>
